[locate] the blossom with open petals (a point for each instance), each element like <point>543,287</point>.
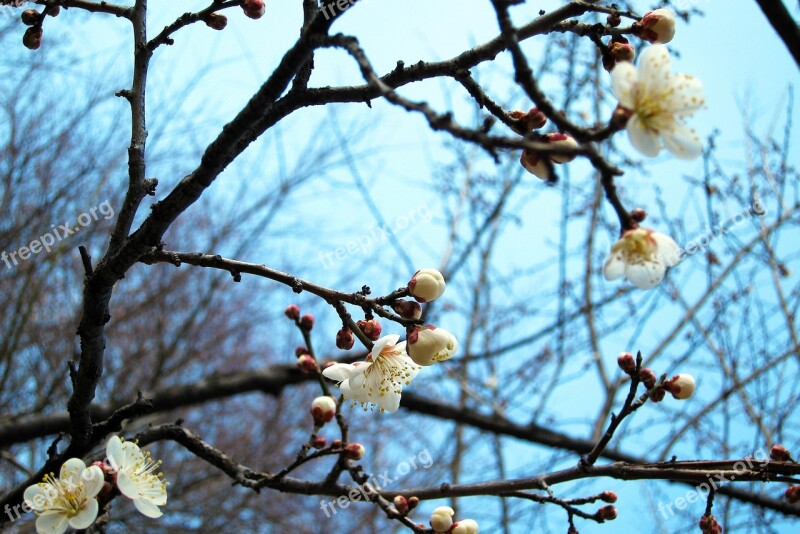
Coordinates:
<point>379,380</point>
<point>136,476</point>
<point>642,257</point>
<point>655,100</point>
<point>69,500</point>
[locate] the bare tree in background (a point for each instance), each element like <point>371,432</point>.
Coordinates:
<point>565,390</point>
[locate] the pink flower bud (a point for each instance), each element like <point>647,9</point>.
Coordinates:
<point>336,443</point>
<point>292,312</point>
<point>681,386</point>
<point>413,502</point>
<point>648,378</point>
<point>323,410</point>
<point>344,339</point>
<point>428,344</point>
<point>535,164</point>
<point>779,453</point>
<point>561,140</point>
<point>307,363</point>
<point>426,285</point>
<point>355,451</point>
<point>54,11</point>
<point>32,38</point>
<point>30,17</point>
<point>217,21</point>
<point>319,442</point>
<point>307,322</point>
<point>709,525</point>
<point>407,309</point>
<point>792,494</point>
<point>527,121</point>
<point>254,9</point>
<point>401,503</point>
<point>299,351</point>
<point>372,328</point>
<point>626,362</point>
<point>657,27</point>
<point>638,215</point>
<point>619,49</point>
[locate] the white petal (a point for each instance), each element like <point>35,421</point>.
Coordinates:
<point>147,508</point>
<point>51,522</point>
<point>71,471</point>
<point>642,138</point>
<point>37,497</point>
<point>379,345</point>
<point>686,97</point>
<point>682,141</point>
<point>645,275</point>
<point>114,452</point>
<point>93,481</point>
<point>127,486</point>
<point>654,71</point>
<point>668,249</point>
<point>389,401</point>
<point>131,454</point>
<point>86,516</point>
<point>614,267</point>
<point>624,79</point>
<point>342,371</point>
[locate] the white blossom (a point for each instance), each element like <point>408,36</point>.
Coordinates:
<point>136,476</point>
<point>642,257</point>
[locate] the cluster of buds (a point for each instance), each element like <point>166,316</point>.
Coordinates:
<point>681,386</point>
<point>657,27</point>
<point>405,505</point>
<point>442,521</point>
<point>540,164</point>
<point>708,525</point>
<point>254,9</point>
<point>619,49</point>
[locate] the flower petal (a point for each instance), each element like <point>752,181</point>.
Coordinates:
<point>37,496</point>
<point>51,522</point>
<point>645,274</point>
<point>382,343</point>
<point>147,508</point>
<point>682,141</point>
<point>114,452</point>
<point>93,481</point>
<point>624,79</point>
<point>686,97</point>
<point>389,401</point>
<point>342,371</point>
<point>642,138</point>
<point>614,266</point>
<point>127,486</point>
<point>71,471</point>
<point>86,516</point>
<point>654,72</point>
<point>668,250</point>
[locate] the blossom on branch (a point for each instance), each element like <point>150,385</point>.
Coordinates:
<point>428,344</point>
<point>379,380</point>
<point>442,519</point>
<point>69,500</point>
<point>426,285</point>
<point>539,163</point>
<point>657,26</point>
<point>681,386</point>
<point>642,256</point>
<point>653,100</point>
<point>136,476</point>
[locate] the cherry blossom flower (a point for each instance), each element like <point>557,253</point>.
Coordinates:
<point>68,500</point>
<point>379,380</point>
<point>136,476</point>
<point>642,257</point>
<point>655,100</point>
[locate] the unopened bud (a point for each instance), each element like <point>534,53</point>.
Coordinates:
<point>535,164</point>
<point>465,526</point>
<point>407,309</point>
<point>442,519</point>
<point>648,378</point>
<point>609,497</point>
<point>657,27</point>
<point>792,494</point>
<point>779,453</point>
<point>336,443</point>
<point>254,9</point>
<point>606,513</point>
<point>372,328</point>
<point>307,363</point>
<point>32,38</point>
<point>307,322</point>
<point>561,140</point>
<point>30,17</point>
<point>626,362</point>
<point>619,49</point>
<point>216,21</point>
<point>614,20</point>
<point>426,285</point>
<point>657,394</point>
<point>401,503</point>
<point>54,11</point>
<point>638,215</point>
<point>681,386</point>
<point>527,121</point>
<point>292,312</point>
<point>344,339</point>
<point>355,451</point>
<point>323,410</point>
<point>319,442</point>
<point>708,525</point>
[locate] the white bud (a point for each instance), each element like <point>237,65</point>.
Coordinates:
<point>681,386</point>
<point>442,519</point>
<point>428,344</point>
<point>658,27</point>
<point>426,285</point>
<point>465,526</point>
<point>323,409</point>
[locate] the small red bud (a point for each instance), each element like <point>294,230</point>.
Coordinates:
<point>216,21</point>
<point>254,9</point>
<point>355,451</point>
<point>792,494</point>
<point>345,339</point>
<point>319,442</point>
<point>307,322</point>
<point>30,17</point>
<point>609,497</point>
<point>779,453</point>
<point>407,309</point>
<point>336,443</point>
<point>626,362</point>
<point>401,503</point>
<point>372,328</point>
<point>32,38</point>
<point>606,513</point>
<point>413,502</point>
<point>54,11</point>
<point>638,215</point>
<point>657,394</point>
<point>299,351</point>
<point>292,312</point>
<point>614,20</point>
<point>307,363</point>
